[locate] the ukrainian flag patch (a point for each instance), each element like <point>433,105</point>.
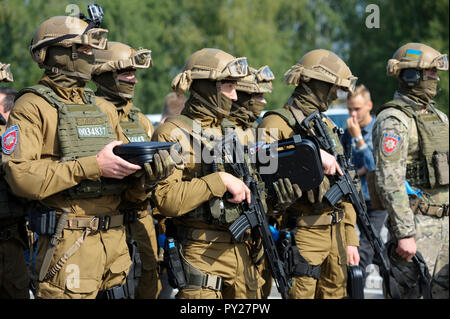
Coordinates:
<point>413,54</point>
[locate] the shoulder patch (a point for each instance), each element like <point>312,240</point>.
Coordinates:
<point>390,143</point>
<point>10,139</point>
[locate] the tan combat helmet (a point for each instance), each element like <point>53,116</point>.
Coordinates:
<point>5,73</point>
<point>258,81</point>
<point>322,65</point>
<point>213,64</point>
<point>119,56</point>
<point>416,56</point>
<point>65,31</point>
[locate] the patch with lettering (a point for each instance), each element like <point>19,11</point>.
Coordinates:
<point>10,139</point>
<point>92,131</point>
<point>391,143</point>
<point>136,138</point>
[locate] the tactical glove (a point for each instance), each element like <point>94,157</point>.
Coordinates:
<point>162,166</point>
<point>286,193</point>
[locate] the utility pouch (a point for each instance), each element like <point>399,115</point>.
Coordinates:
<point>440,163</point>
<point>173,263</point>
<point>42,221</point>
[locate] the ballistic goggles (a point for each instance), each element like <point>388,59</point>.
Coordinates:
<point>235,69</point>
<point>264,74</point>
<point>440,62</point>
<point>142,59</point>
<point>5,73</point>
<point>322,73</point>
<point>96,38</point>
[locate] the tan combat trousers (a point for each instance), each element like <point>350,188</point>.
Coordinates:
<point>324,246</point>
<point>231,261</point>
<point>100,263</point>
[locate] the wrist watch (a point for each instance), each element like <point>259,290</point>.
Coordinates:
<point>358,138</point>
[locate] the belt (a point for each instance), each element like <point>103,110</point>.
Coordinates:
<point>332,218</point>
<point>96,223</point>
<point>208,235</point>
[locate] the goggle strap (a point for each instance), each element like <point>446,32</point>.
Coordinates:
<point>53,41</point>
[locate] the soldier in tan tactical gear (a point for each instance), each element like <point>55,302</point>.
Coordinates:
<point>115,79</point>
<point>410,139</point>
<point>249,104</point>
<point>58,152</point>
<point>325,235</point>
<point>215,266</point>
<point>13,240</point>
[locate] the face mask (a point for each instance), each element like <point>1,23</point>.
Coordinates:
<point>206,92</point>
<point>423,92</point>
<point>78,69</point>
<point>117,90</point>
<point>125,89</point>
<point>324,92</point>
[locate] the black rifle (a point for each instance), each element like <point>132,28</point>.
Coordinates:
<point>254,216</point>
<point>344,187</point>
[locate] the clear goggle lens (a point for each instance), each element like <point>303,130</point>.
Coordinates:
<point>441,62</point>
<point>142,59</point>
<point>96,38</point>
<point>238,67</point>
<point>265,74</point>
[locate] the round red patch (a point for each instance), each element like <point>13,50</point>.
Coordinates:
<point>391,143</point>
<point>10,139</point>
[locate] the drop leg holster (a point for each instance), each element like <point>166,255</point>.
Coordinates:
<point>182,274</point>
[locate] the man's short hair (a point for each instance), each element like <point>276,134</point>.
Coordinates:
<point>360,90</point>
<point>173,104</point>
<point>8,101</point>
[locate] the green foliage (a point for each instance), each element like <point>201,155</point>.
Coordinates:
<point>274,33</point>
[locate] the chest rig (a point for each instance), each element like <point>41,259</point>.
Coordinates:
<point>430,168</point>
<point>217,211</point>
<point>132,129</point>
<point>83,130</point>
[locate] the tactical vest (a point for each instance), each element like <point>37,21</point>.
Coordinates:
<point>431,168</point>
<point>217,211</point>
<point>132,129</point>
<point>294,123</point>
<point>83,130</point>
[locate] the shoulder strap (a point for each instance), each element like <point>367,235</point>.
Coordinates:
<point>44,92</point>
<point>285,114</point>
<point>399,105</point>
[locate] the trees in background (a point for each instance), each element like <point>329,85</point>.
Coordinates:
<point>276,33</point>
